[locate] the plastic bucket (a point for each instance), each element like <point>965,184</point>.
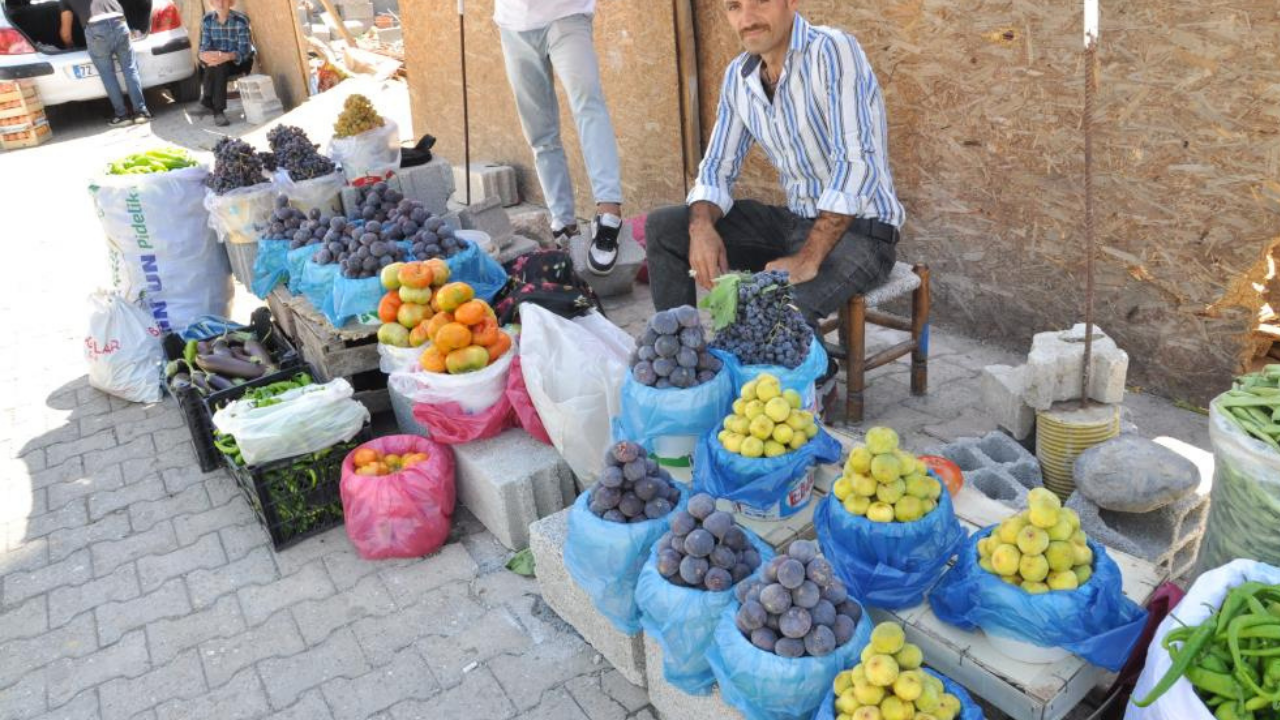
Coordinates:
<point>674,450</point>
<point>480,238</point>
<point>402,408</point>
<point>1026,652</point>
<point>798,494</point>
<point>1061,435</point>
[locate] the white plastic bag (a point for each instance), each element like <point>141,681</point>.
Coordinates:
<point>392,359</point>
<point>474,391</point>
<point>239,216</point>
<point>1204,597</point>
<point>305,420</point>
<point>574,371</point>
<point>123,349</point>
<point>373,152</point>
<point>1245,497</point>
<point>324,192</point>
<point>159,244</point>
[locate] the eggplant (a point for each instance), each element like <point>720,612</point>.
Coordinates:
<point>198,380</point>
<point>202,348</point>
<point>179,381</point>
<point>229,366</point>
<point>259,352</point>
<point>217,382</point>
<point>220,347</point>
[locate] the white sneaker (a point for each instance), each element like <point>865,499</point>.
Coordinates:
<point>603,253</point>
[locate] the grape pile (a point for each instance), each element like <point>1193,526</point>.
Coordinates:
<point>632,488</point>
<point>235,165</point>
<point>672,352</point>
<point>401,218</point>
<point>704,549</point>
<point>800,607</point>
<point>357,116</point>
<point>768,329</point>
<point>295,152</point>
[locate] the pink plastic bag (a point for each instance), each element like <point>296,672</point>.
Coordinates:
<point>637,233</point>
<point>405,514</point>
<point>522,404</point>
<point>448,423</point>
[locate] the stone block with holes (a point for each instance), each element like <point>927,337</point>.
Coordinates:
<point>509,481</point>
<point>995,465</point>
<point>1169,537</point>
<point>488,215</point>
<point>625,652</point>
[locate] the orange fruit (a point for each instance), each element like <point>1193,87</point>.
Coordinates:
<point>369,470</point>
<point>471,312</point>
<point>432,360</point>
<point>388,306</point>
<point>467,359</point>
<point>436,322</point>
<point>439,271</point>
<point>419,335</point>
<point>364,456</point>
<point>452,336</point>
<point>484,332</point>
<point>453,295</point>
<point>500,347</point>
<point>415,275</point>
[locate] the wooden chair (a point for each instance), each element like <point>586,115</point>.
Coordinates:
<point>851,349</point>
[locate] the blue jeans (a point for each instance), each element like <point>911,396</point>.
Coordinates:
<point>564,46</point>
<point>108,41</point>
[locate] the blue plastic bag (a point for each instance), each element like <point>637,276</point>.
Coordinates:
<point>478,270</point>
<point>317,284</point>
<point>763,686</point>
<point>757,482</point>
<point>296,260</point>
<point>888,565</point>
<point>352,298</point>
<point>648,413</point>
<point>683,621</point>
<point>270,267</point>
<point>207,326</point>
<point>801,378</point>
<point>1095,621</point>
<point>605,558</point>
<point>969,710</point>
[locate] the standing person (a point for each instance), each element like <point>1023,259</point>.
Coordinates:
<point>808,96</point>
<point>107,36</point>
<point>226,52</point>
<point>538,37</point>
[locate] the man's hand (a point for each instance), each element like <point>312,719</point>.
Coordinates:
<point>213,57</point>
<point>707,258</point>
<point>799,269</point>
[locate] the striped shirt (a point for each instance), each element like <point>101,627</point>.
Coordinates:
<point>232,37</point>
<point>825,130</point>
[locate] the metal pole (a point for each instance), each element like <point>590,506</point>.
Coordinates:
<point>1090,88</point>
<point>466,112</point>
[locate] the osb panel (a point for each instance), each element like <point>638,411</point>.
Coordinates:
<point>636,47</point>
<point>985,105</point>
<point>276,39</point>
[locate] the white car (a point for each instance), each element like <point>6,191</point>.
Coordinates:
<point>30,48</point>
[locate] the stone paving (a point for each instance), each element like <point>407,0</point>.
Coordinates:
<point>133,586</point>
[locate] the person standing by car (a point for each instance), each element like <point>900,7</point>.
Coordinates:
<point>226,52</point>
<point>107,36</point>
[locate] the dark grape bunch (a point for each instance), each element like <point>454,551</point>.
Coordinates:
<point>632,488</point>
<point>799,607</point>
<point>299,228</point>
<point>768,329</point>
<point>401,218</point>
<point>235,165</point>
<point>705,549</point>
<point>294,151</point>
<point>672,352</point>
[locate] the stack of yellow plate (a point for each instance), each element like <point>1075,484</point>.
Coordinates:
<point>1063,432</point>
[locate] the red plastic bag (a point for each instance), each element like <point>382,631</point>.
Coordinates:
<point>637,233</point>
<point>522,404</point>
<point>404,514</point>
<point>450,424</point>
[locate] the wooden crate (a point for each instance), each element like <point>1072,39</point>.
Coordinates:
<point>279,301</point>
<point>28,136</point>
<point>20,105</point>
<point>349,352</point>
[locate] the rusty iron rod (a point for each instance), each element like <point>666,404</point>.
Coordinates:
<point>1090,88</point>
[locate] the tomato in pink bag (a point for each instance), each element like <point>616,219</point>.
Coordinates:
<point>404,514</point>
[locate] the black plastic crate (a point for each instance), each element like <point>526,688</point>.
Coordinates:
<point>293,498</point>
<point>198,410</point>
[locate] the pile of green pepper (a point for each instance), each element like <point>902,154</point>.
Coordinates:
<point>151,161</point>
<point>1232,658</point>
<point>264,396</point>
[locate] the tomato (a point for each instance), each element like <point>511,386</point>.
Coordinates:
<point>947,470</point>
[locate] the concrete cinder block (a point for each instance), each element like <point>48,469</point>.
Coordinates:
<point>257,113</point>
<point>620,281</point>
<point>487,180</point>
<point>430,184</point>
<point>1055,361</point>
<point>389,34</point>
<point>673,703</point>
<point>487,215</point>
<point>625,652</point>
<point>511,480</point>
<point>520,245</point>
<point>1169,536</point>
<point>1002,389</point>
<point>996,465</point>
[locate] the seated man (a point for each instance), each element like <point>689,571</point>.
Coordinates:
<point>808,96</point>
<point>226,52</point>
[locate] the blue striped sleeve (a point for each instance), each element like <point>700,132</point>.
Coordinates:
<point>845,76</point>
<point>206,35</point>
<point>244,44</point>
<point>730,141</point>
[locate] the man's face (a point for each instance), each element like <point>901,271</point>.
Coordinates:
<point>761,24</point>
<point>221,5</point>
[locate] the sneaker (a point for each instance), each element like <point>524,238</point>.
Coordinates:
<point>603,253</point>
<point>118,121</point>
<point>563,235</point>
<point>142,118</point>
<point>220,119</point>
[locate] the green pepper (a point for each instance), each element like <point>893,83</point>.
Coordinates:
<point>1181,662</point>
<point>189,352</point>
<point>1232,711</point>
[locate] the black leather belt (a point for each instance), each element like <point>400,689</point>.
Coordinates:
<point>872,227</point>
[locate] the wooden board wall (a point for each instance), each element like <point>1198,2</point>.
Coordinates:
<point>275,36</point>
<point>635,43</point>
<point>985,105</point>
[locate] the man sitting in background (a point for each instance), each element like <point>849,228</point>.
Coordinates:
<point>226,52</point>
<point>107,36</point>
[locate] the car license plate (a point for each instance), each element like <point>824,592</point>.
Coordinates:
<point>84,70</point>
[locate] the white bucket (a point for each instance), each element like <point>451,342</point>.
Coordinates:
<point>674,450</point>
<point>798,494</point>
<point>480,238</point>
<point>1026,652</point>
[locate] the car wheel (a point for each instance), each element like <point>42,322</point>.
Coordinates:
<point>188,90</point>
